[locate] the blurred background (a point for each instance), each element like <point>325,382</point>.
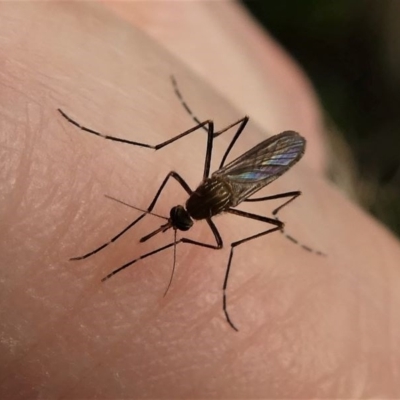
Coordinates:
<point>350,49</point>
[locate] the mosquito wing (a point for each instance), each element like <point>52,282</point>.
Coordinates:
<point>262,164</point>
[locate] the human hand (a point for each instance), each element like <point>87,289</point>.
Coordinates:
<point>309,326</point>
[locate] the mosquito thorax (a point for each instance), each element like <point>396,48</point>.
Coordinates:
<point>180,218</point>
<point>212,197</point>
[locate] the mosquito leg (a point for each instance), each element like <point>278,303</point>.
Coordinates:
<point>110,241</point>
<point>293,196</point>
<point>241,122</point>
<point>218,240</point>
<point>178,178</point>
<point>207,159</point>
<point>218,246</point>
<point>207,125</point>
<point>291,238</point>
<point>211,135</point>
<point>182,100</point>
<point>117,139</point>
<point>97,133</point>
<point>128,264</point>
<point>278,226</point>
<point>212,226</point>
<point>182,240</point>
<point>172,174</point>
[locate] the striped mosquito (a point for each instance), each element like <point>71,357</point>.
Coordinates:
<point>217,193</point>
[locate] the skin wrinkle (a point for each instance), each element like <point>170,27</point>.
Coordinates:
<point>45,334</point>
<point>152,317</point>
<point>142,322</point>
<point>46,327</point>
<point>22,182</point>
<point>19,187</point>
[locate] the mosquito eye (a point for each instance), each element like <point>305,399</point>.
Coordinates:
<point>180,218</point>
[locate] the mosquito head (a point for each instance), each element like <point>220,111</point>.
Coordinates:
<point>180,218</point>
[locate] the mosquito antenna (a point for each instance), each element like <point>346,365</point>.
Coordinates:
<point>173,266</point>
<point>136,208</point>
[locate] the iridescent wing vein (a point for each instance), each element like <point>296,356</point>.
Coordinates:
<point>262,164</point>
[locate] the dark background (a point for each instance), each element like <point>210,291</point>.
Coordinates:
<point>350,49</point>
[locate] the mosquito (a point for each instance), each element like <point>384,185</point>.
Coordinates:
<point>220,192</point>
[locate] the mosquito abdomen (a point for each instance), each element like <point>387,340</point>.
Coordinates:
<point>212,197</point>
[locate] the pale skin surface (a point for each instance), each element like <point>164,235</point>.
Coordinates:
<point>309,326</point>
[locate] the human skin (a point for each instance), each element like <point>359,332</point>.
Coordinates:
<point>309,326</point>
